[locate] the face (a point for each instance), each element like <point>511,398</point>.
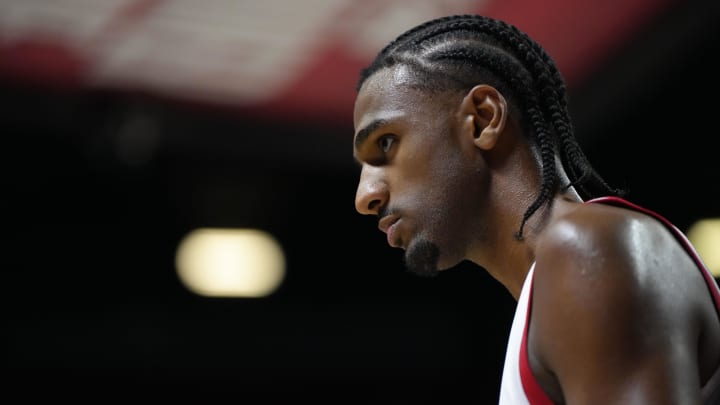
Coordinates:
<point>421,173</point>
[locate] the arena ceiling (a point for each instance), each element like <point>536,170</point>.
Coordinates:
<point>262,57</point>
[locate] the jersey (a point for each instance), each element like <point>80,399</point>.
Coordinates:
<point>518,385</point>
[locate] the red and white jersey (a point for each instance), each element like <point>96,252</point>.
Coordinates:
<point>519,386</point>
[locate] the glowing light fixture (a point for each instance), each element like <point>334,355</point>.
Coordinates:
<point>705,235</point>
<point>230,262</point>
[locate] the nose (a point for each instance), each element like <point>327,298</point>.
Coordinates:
<point>372,191</point>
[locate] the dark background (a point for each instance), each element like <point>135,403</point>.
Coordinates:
<point>93,308</point>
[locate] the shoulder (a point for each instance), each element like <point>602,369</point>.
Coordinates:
<point>600,290</point>
<point>602,254</point>
<point>610,253</point>
<point>598,236</point>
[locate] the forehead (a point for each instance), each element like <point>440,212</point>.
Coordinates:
<point>385,95</point>
<point>394,94</point>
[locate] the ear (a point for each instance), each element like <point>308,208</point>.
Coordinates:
<point>484,111</point>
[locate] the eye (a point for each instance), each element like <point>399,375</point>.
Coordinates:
<point>385,142</point>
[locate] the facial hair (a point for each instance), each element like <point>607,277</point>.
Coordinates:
<point>421,259</point>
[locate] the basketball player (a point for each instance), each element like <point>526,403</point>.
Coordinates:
<point>468,153</point>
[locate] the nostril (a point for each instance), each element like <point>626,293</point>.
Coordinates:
<point>374,206</point>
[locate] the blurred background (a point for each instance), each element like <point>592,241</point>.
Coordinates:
<point>129,124</point>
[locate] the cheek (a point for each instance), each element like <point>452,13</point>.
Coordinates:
<point>455,201</point>
<point>443,183</point>
<point>456,176</point>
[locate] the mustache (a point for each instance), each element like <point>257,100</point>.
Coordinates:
<point>385,211</point>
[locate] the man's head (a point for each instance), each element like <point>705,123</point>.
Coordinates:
<point>410,95</point>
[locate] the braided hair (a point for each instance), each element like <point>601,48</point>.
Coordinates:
<point>458,52</point>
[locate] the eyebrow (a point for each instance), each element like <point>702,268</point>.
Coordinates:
<point>364,133</point>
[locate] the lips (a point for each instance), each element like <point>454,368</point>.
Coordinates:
<point>388,225</point>
<point>392,240</point>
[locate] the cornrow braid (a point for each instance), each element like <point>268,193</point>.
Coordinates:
<point>460,51</point>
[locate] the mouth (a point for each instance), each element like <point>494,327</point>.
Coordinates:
<point>388,225</point>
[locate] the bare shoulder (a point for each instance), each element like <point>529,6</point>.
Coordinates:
<point>611,240</point>
<point>599,258</point>
<point>616,256</point>
<point>614,289</point>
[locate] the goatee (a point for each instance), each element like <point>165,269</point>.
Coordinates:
<point>421,259</point>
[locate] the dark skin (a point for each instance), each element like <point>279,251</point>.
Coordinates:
<point>620,312</point>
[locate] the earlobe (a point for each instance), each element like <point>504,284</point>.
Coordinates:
<point>485,111</point>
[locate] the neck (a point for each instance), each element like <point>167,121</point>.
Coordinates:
<point>510,259</point>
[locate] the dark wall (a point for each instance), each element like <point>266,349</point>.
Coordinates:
<point>649,119</point>
<point>91,291</point>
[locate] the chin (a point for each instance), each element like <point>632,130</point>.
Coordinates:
<point>422,258</point>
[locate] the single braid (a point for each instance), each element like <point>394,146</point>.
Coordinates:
<point>458,52</point>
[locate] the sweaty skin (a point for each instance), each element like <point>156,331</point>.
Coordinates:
<point>620,313</point>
